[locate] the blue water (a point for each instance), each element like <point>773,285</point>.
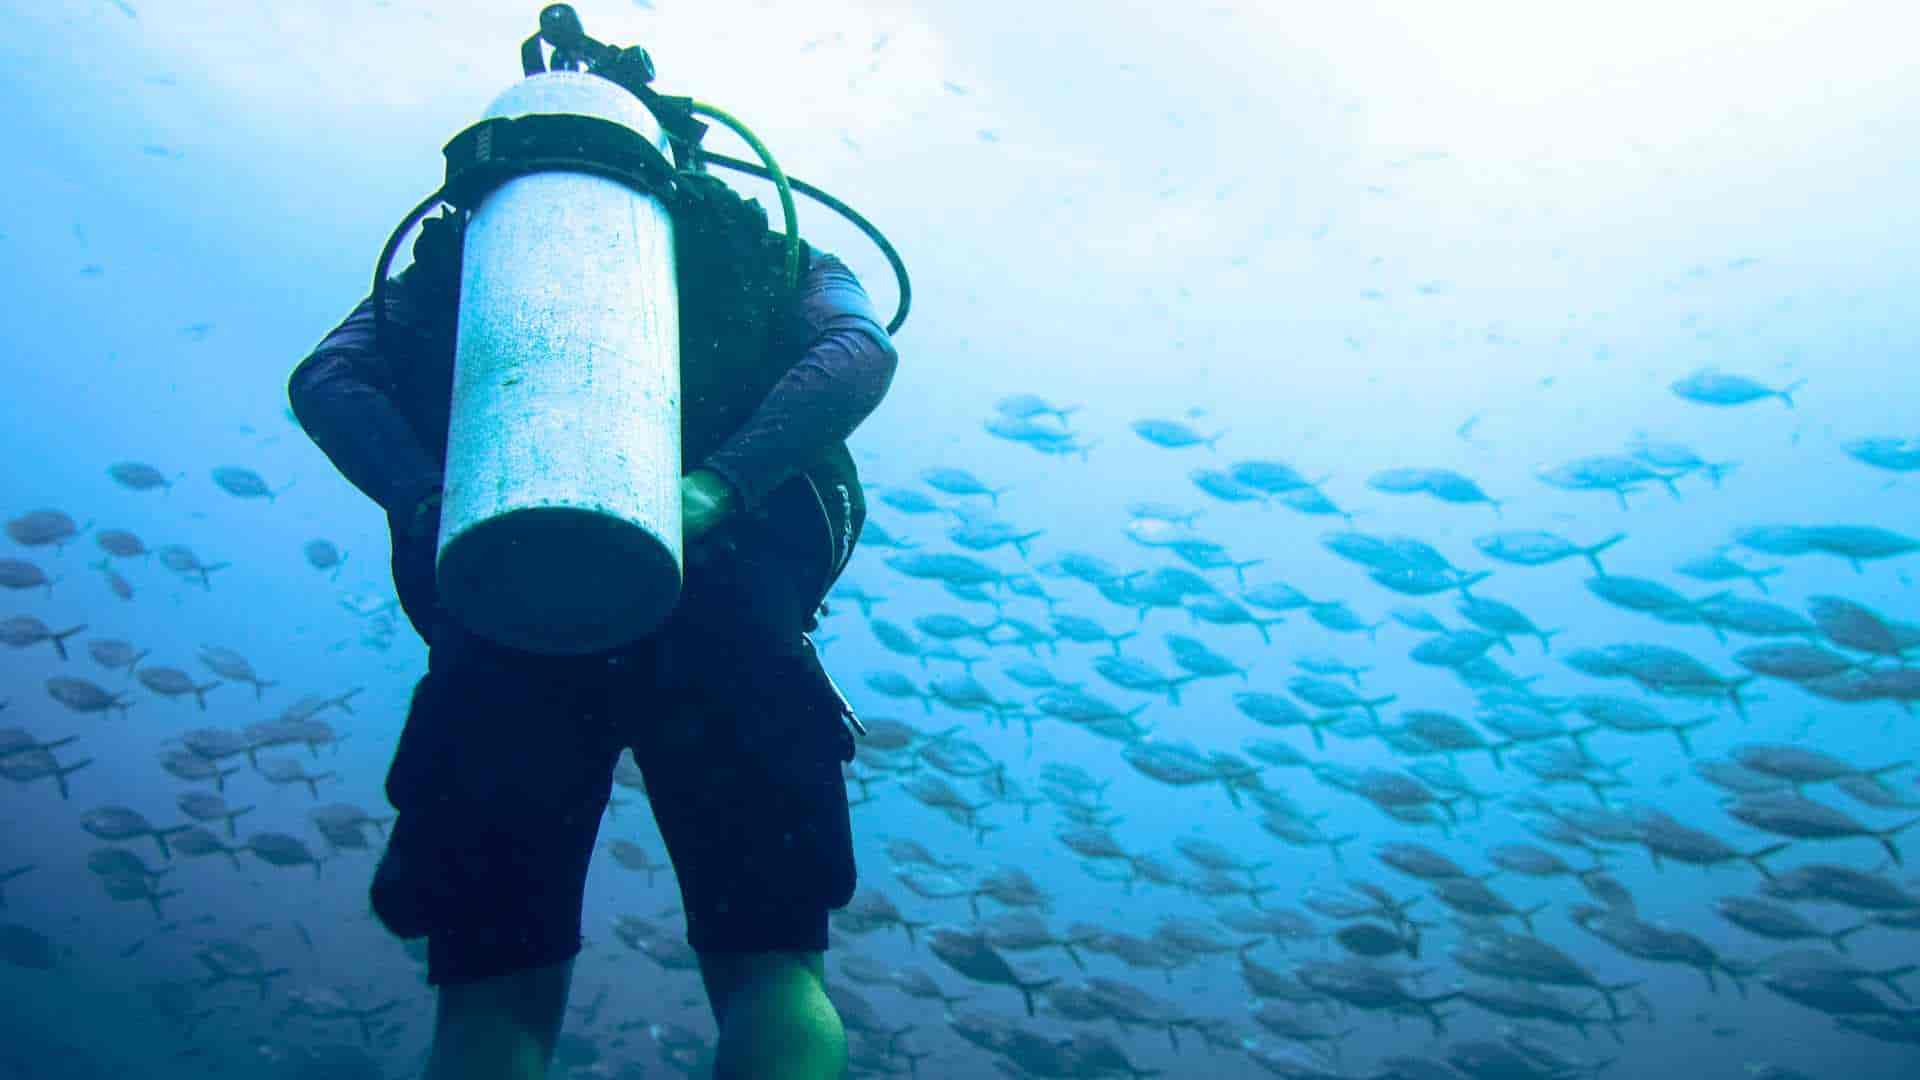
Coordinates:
<point>1336,235</point>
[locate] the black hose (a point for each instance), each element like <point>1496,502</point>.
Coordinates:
<point>386,259</point>
<point>845,211</point>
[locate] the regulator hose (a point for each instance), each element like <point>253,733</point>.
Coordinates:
<point>845,211</point>
<point>779,178</point>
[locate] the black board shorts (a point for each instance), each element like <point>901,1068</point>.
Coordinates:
<point>506,763</point>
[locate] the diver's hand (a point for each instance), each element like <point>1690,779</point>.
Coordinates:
<point>423,522</point>
<point>416,537</point>
<point>706,499</point>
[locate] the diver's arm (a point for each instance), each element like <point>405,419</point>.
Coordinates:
<point>847,365</point>
<point>342,396</point>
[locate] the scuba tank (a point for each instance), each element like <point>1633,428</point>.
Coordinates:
<point>560,522</point>
<point>561,516</point>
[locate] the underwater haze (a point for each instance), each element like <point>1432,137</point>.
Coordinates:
<point>1390,547</point>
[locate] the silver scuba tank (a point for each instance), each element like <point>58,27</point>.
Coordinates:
<point>560,525</point>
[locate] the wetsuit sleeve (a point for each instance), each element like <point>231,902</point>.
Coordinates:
<point>343,396</point>
<point>846,364</point>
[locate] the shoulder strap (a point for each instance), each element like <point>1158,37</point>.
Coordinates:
<point>436,254</point>
<point>716,225</point>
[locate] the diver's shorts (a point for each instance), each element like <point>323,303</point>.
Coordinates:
<point>506,764</point>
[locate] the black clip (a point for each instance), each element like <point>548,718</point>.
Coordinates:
<point>847,714</point>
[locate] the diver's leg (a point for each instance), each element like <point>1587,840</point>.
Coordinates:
<point>742,759</point>
<point>775,1019</point>
<point>502,1028</point>
<point>761,859</point>
<point>500,782</point>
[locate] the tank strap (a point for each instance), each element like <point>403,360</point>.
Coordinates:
<point>496,150</point>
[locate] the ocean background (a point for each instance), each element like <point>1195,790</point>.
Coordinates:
<point>1335,236</point>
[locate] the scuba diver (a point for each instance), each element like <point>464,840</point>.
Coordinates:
<point>506,762</point>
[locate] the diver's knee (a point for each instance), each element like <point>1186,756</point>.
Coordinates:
<point>779,1012</point>
<point>531,1000</point>
<point>797,994</point>
<point>737,976</point>
<point>813,1015</point>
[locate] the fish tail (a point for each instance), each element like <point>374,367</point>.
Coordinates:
<point>1839,938</point>
<point>1885,836</point>
<point>233,833</point>
<point>1526,916</point>
<point>1733,696</point>
<point>1073,955</point>
<point>1496,749</point>
<point>160,837</point>
<point>1680,734</point>
<point>60,775</point>
<point>1608,991</point>
<point>60,639</point>
<point>1436,1018</point>
<point>1592,553</point>
<point>1755,857</point>
<point>1888,976</point>
<point>1874,774</point>
<point>1579,737</point>
<point>1786,392</point>
<point>1027,989</point>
